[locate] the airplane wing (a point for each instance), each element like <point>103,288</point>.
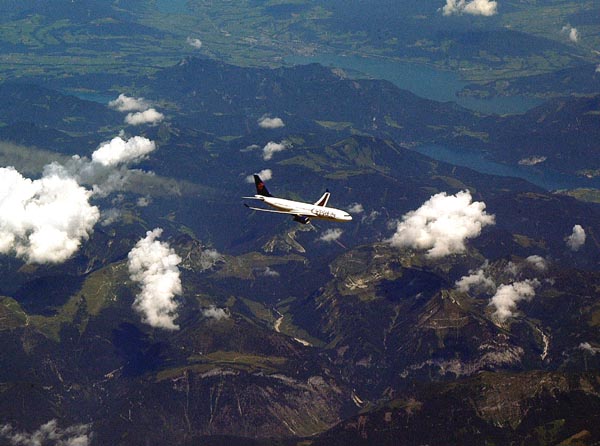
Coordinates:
<point>292,212</point>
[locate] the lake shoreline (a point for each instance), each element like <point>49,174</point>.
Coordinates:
<point>424,80</point>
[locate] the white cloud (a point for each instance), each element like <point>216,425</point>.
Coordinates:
<point>265,175</point>
<point>143,202</point>
<point>118,151</point>
<point>209,258</point>
<point>571,33</point>
<point>44,220</point>
<point>215,313</point>
<point>331,235</point>
<point>49,434</point>
<point>127,104</point>
<point>477,280</point>
<point>153,264</point>
<point>103,179</point>
<point>538,262</point>
<point>140,110</point>
<point>274,147</point>
<point>106,180</point>
<point>108,170</point>
<point>150,116</point>
<point>194,42</point>
<point>368,219</point>
<point>598,69</point>
<point>474,7</point>
<point>577,239</point>
<point>506,297</point>
<point>268,272</point>
<point>267,122</point>
<point>532,160</point>
<point>574,35</point>
<point>110,216</point>
<point>356,208</point>
<point>512,269</point>
<point>442,224</point>
<point>586,347</point>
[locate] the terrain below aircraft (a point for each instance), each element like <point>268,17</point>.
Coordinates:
<point>302,212</point>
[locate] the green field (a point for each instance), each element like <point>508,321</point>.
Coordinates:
<point>140,41</point>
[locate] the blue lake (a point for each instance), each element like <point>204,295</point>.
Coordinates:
<point>422,80</point>
<point>172,6</point>
<point>440,85</point>
<point>101,98</point>
<point>539,175</point>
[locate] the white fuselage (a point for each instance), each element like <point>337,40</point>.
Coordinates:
<point>307,209</point>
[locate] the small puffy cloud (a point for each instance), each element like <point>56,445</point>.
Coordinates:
<point>127,104</point>
<point>266,122</point>
<point>368,219</point>
<point>515,270</point>
<point>442,224</point>
<point>597,69</point>
<point>269,272</point>
<point>512,269</point>
<point>143,202</point>
<point>153,265</point>
<point>139,110</point>
<point>577,238</point>
<point>274,147</point>
<point>265,175</point>
<point>209,258</point>
<point>532,160</point>
<point>474,7</point>
<point>477,280</point>
<point>586,347</point>
<point>110,216</point>
<point>213,312</point>
<point>150,116</point>
<point>119,151</point>
<point>538,262</point>
<point>356,208</point>
<point>331,235</point>
<point>194,42</point>
<point>506,297</point>
<point>574,35</point>
<point>44,220</point>
<point>571,33</point>
<point>49,434</point>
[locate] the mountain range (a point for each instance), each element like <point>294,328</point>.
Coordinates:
<point>318,334</point>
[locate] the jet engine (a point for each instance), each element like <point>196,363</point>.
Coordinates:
<point>302,219</point>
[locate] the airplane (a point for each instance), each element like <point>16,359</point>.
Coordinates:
<point>302,212</point>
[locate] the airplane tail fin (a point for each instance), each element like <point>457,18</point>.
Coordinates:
<point>324,199</point>
<point>261,189</point>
